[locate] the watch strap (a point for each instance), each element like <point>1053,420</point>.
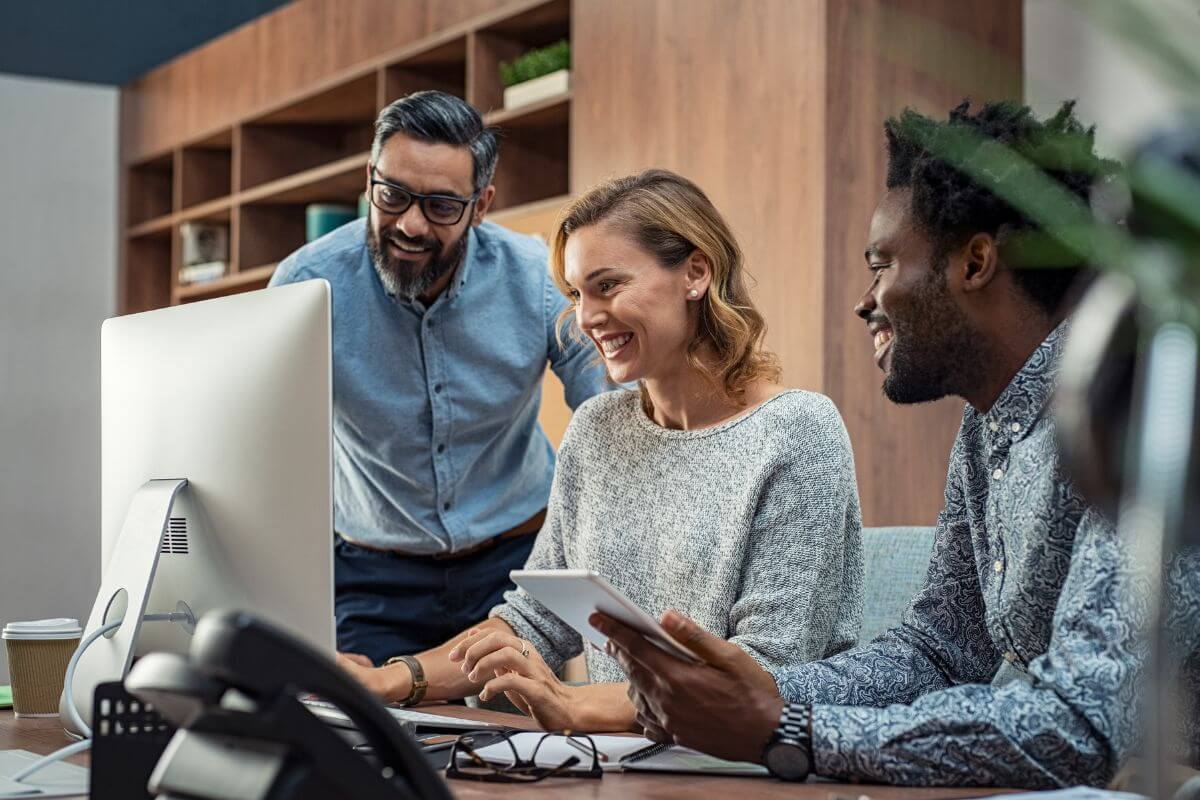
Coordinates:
<point>419,685</point>
<point>794,733</point>
<point>795,725</point>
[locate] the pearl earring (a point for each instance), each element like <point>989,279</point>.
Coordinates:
<point>693,294</point>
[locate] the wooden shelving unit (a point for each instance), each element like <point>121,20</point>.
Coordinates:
<point>259,173</point>
<point>243,280</point>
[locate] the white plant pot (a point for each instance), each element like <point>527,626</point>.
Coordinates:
<point>524,94</point>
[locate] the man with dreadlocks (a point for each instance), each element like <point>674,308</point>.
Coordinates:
<point>1018,662</point>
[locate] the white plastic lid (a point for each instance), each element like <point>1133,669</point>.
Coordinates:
<point>58,628</point>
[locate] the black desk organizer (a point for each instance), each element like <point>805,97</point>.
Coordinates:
<point>128,737</point>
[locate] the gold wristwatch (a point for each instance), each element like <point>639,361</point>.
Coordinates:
<point>417,693</point>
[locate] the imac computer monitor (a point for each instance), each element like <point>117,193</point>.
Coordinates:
<point>233,396</point>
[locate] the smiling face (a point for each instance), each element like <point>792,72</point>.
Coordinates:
<point>924,342</point>
<point>414,257</point>
<point>637,312</point>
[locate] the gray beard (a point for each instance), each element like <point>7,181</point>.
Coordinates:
<point>400,281</point>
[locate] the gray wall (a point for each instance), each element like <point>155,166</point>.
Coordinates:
<point>58,225</point>
<point>1069,54</point>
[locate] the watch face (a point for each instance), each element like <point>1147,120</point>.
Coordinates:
<point>787,761</point>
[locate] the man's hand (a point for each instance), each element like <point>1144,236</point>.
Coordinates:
<point>391,683</point>
<point>727,706</point>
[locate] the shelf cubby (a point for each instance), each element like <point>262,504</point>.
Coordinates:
<point>147,283</point>
<point>534,163</point>
<point>324,128</point>
<point>150,190</point>
<point>506,39</point>
<point>272,152</point>
<point>268,233</point>
<point>340,181</point>
<point>206,171</point>
<point>442,67</point>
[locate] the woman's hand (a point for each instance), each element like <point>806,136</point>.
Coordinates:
<point>504,663</point>
<point>391,683</point>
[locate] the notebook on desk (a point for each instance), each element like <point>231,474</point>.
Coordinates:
<point>619,754</point>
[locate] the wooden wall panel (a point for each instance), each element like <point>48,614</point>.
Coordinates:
<point>884,55</point>
<point>280,54</point>
<point>732,99</point>
<point>775,109</point>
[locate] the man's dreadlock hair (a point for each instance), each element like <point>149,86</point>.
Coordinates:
<point>951,206</point>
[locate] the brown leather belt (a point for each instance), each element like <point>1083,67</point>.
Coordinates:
<point>529,526</point>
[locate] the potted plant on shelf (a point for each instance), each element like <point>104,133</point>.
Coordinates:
<point>540,73</point>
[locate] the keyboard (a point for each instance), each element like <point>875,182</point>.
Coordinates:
<point>336,717</point>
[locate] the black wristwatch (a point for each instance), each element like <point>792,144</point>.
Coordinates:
<point>788,755</point>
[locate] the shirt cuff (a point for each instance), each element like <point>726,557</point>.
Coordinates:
<point>846,742</point>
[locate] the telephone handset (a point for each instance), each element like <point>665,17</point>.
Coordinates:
<point>242,730</point>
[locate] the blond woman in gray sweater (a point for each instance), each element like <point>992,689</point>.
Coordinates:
<point>709,490</point>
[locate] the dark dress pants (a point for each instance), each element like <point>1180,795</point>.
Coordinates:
<point>388,604</point>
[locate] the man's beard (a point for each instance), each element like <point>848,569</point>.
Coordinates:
<point>401,278</point>
<point>936,351</point>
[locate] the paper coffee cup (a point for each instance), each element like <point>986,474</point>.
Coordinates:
<point>38,653</point>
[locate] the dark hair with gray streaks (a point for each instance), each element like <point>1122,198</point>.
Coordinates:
<point>442,118</point>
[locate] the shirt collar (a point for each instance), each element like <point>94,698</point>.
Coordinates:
<point>464,269</point>
<point>1024,400</point>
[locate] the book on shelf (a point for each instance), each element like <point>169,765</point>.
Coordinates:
<point>323,218</point>
<point>202,273</point>
<point>204,242</point>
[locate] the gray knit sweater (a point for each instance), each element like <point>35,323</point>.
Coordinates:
<point>751,528</point>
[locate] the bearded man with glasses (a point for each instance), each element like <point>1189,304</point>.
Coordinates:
<point>443,325</point>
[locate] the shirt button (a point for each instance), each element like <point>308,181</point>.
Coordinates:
<point>430,323</point>
<point>998,474</point>
<point>993,426</point>
<point>441,448</point>
<point>1010,656</point>
<point>998,566</point>
<point>1015,427</point>
<point>446,506</point>
<point>437,388</point>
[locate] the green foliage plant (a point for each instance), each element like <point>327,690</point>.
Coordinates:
<point>536,63</point>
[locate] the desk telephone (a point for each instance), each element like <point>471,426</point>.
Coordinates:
<point>243,732</point>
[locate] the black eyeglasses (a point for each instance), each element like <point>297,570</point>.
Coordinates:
<point>466,763</point>
<point>439,209</point>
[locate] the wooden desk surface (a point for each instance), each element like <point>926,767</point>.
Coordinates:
<point>46,735</point>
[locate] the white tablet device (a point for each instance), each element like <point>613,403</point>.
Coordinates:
<point>575,594</point>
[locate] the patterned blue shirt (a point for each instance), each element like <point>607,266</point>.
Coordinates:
<point>436,439</point>
<point>1016,663</point>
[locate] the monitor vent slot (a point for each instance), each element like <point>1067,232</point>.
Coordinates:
<point>176,539</point>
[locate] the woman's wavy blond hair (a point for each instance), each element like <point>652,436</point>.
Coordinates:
<point>671,217</point>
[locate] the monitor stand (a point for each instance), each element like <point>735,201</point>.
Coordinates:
<point>123,593</point>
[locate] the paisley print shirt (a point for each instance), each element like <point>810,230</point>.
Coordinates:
<point>1016,663</point>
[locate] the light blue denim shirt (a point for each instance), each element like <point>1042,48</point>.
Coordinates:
<point>436,440</point>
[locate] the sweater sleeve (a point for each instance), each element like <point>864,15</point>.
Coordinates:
<point>942,640</point>
<point>801,583</point>
<point>554,640</point>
